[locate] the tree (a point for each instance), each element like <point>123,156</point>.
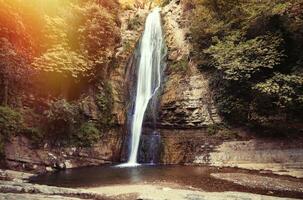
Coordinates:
<point>241,59</point>
<point>254,50</point>
<point>14,70</point>
<point>99,34</point>
<point>285,90</point>
<point>95,32</point>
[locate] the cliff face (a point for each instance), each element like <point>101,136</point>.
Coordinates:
<point>187,103</point>
<point>22,154</point>
<point>186,100</point>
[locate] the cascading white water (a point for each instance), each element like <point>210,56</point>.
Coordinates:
<point>149,78</point>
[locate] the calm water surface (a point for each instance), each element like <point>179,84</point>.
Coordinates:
<point>111,175</point>
<point>184,176</point>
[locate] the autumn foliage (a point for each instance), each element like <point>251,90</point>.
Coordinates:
<point>69,41</point>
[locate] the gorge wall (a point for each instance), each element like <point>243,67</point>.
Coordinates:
<point>187,100</point>
<point>187,122</point>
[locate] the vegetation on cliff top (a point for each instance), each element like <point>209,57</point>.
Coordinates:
<point>255,51</point>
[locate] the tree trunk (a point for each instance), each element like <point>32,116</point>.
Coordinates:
<point>65,88</point>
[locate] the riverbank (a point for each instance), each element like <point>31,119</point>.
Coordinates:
<point>158,192</point>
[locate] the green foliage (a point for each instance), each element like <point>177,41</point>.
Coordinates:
<point>11,121</point>
<point>127,47</point>
<point>86,135</point>
<point>69,127</point>
<point>240,59</point>
<point>81,43</point>
<point>104,103</point>
<point>212,129</point>
<point>99,33</point>
<point>62,60</point>
<point>35,134</point>
<point>14,71</point>
<point>285,90</point>
<point>254,50</point>
<point>180,65</point>
<point>74,45</point>
<point>62,120</point>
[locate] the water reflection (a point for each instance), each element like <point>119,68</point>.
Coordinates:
<point>108,175</point>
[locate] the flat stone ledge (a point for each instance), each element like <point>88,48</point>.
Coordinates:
<point>261,182</point>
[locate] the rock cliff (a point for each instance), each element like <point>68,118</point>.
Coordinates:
<point>186,100</point>
<point>21,154</point>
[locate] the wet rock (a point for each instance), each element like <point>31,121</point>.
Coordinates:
<point>49,169</point>
<point>150,148</point>
<point>68,164</point>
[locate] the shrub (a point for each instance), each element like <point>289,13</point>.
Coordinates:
<point>62,120</point>
<point>212,129</point>
<point>240,59</point>
<point>11,121</point>
<point>104,102</point>
<point>69,127</point>
<point>35,134</point>
<point>86,135</point>
<point>180,65</point>
<point>284,90</point>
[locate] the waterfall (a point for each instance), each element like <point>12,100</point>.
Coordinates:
<point>148,78</point>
